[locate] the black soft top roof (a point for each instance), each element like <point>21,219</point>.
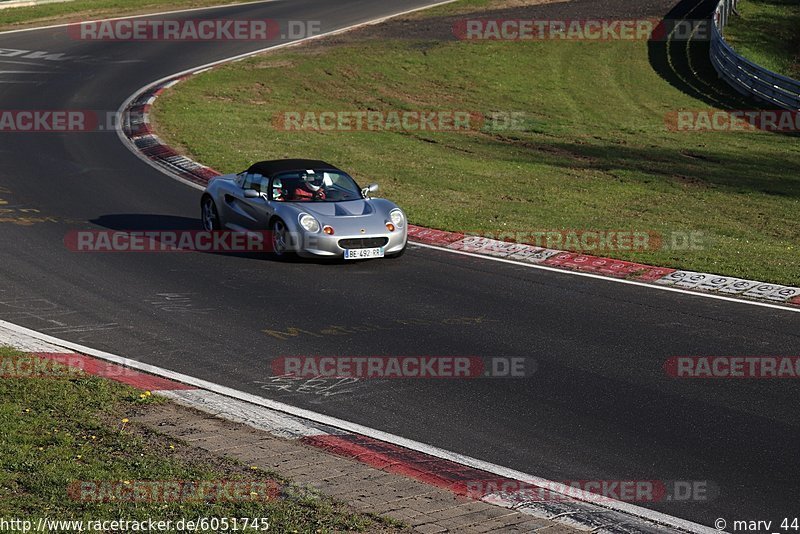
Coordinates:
<point>271,168</point>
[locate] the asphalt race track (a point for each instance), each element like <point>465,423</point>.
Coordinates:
<point>600,405</point>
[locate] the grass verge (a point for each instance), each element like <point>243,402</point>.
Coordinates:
<point>75,10</point>
<point>767,32</point>
<point>57,431</point>
<point>593,153</point>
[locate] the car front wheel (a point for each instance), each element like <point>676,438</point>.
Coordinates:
<point>210,215</point>
<point>280,239</point>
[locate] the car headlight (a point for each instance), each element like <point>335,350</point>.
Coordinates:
<point>398,218</point>
<point>309,223</point>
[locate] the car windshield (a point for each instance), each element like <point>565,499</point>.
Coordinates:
<point>314,186</point>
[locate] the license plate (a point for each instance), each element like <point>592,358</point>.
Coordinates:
<point>363,253</point>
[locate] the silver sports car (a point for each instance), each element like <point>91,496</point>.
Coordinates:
<point>310,208</point>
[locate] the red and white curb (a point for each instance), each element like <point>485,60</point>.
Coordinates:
<point>387,452</point>
<point>737,289</point>
<point>136,132</point>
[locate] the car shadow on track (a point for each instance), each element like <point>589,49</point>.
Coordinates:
<point>146,222</point>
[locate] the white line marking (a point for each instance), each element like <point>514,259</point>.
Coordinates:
<point>356,428</point>
<point>29,343</point>
<point>134,16</point>
<point>610,279</point>
<point>276,423</point>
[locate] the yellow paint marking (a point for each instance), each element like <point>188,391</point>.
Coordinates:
<point>338,330</point>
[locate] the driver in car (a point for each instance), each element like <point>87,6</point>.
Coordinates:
<point>277,190</point>
<point>310,188</point>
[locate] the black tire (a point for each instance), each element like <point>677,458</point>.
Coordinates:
<point>395,255</point>
<point>209,215</point>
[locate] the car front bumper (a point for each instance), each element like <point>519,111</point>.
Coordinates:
<point>331,246</point>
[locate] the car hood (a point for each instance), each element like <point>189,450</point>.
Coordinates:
<point>349,208</point>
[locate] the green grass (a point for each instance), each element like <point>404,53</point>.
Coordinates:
<point>59,430</point>
<point>595,152</point>
<point>75,10</point>
<point>768,33</point>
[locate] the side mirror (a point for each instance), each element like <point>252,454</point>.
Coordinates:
<point>251,193</point>
<point>371,188</point>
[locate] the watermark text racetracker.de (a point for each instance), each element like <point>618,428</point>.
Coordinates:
<point>173,491</point>
<point>715,120</point>
<point>42,120</point>
<point>735,367</point>
<point>414,367</point>
<point>33,366</point>
<point>193,30</point>
<point>58,121</point>
<point>218,241</point>
<point>420,120</point>
<point>215,241</point>
<point>596,240</point>
<point>485,29</point>
<point>593,490</point>
<point>58,366</point>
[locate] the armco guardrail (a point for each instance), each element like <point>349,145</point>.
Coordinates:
<point>745,76</point>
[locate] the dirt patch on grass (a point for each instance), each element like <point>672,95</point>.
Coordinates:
<point>422,26</point>
<point>272,64</point>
